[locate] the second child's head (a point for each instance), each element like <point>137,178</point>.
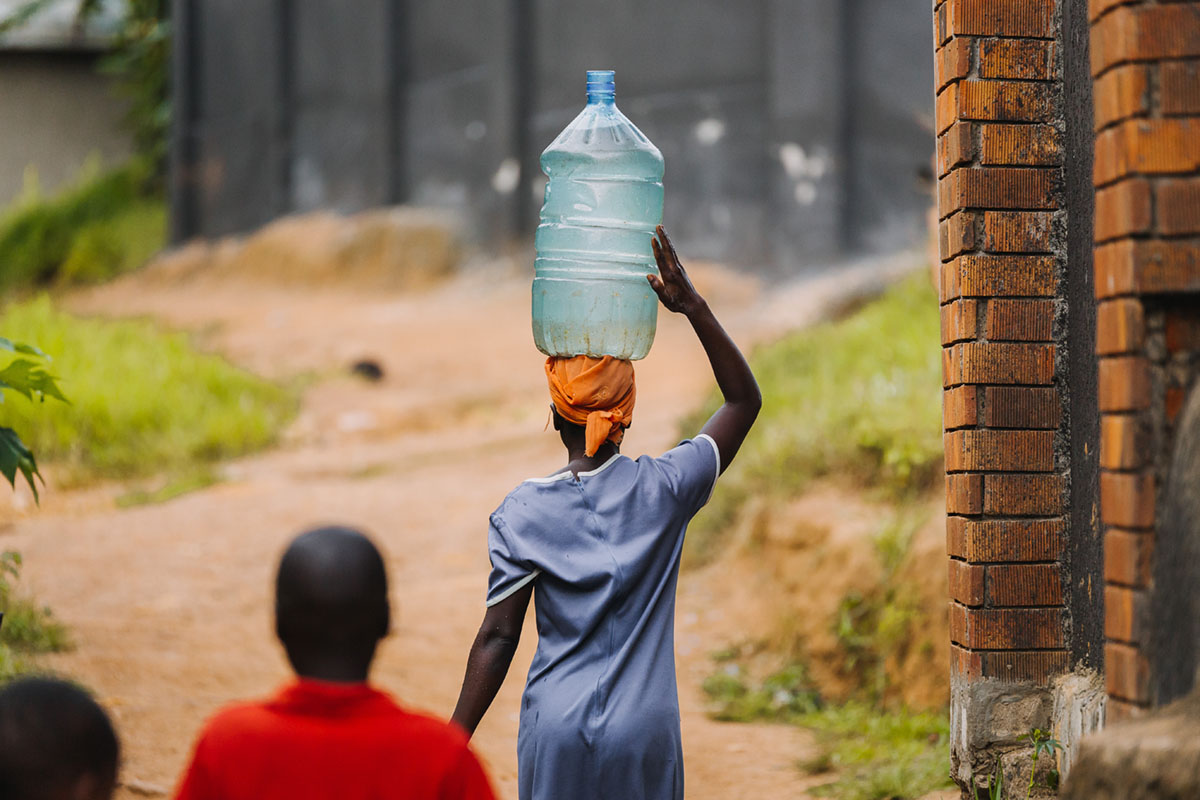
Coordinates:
<point>56,743</point>
<point>331,604</point>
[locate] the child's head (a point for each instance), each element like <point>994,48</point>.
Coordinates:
<point>56,743</point>
<point>331,603</point>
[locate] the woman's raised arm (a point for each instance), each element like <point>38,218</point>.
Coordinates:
<point>732,421</point>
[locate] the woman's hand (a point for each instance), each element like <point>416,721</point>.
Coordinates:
<point>673,288</point>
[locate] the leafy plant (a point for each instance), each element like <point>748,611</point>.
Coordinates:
<point>1042,742</point>
<point>140,61</point>
<point>26,375</point>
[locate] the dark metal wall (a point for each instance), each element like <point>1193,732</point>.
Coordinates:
<point>794,132</point>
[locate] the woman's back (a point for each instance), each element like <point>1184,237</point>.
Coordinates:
<point>603,549</point>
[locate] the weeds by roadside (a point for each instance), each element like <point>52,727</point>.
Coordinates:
<point>27,628</point>
<point>875,627</point>
<point>877,754</point>
<point>142,401</point>
<point>107,223</point>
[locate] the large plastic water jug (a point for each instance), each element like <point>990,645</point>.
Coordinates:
<point>603,199</point>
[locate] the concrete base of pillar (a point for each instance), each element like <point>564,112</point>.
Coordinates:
<point>988,719</point>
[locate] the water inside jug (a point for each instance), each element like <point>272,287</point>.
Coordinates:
<point>603,200</point>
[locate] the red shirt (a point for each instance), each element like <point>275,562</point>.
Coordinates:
<point>327,740</point>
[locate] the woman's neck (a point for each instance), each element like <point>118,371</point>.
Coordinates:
<point>578,461</point>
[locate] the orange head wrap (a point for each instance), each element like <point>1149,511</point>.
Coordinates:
<point>597,393</point>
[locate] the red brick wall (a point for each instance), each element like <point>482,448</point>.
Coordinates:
<point>1014,239</point>
<point>1145,59</point>
<point>1000,203</point>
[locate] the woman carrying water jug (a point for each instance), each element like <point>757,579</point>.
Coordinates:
<point>598,544</point>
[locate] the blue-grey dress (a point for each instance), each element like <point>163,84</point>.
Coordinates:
<point>600,714</point>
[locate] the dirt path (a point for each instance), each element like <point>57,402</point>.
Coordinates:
<point>170,604</point>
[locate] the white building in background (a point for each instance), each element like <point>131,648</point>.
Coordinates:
<point>56,111</point>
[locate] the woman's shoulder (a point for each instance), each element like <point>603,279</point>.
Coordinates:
<point>531,493</point>
<point>700,448</point>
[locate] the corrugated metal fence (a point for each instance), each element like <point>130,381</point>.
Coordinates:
<point>794,132</point>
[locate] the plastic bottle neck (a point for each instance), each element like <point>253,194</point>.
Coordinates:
<point>601,87</point>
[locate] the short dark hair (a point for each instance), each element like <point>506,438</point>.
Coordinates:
<point>52,735</point>
<point>331,596</point>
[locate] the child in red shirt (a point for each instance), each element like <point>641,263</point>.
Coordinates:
<point>330,734</point>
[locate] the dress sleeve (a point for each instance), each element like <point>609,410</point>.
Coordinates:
<point>509,571</point>
<point>691,469</point>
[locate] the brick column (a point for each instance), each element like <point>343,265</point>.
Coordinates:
<point>1005,222</point>
<point>1146,65</point>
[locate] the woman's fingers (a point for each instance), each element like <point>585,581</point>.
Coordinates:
<point>666,264</point>
<point>658,253</point>
<point>670,247</point>
<point>659,289</point>
<point>666,270</point>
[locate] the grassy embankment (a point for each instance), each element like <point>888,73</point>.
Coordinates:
<point>856,402</point>
<point>105,224</point>
<point>143,403</point>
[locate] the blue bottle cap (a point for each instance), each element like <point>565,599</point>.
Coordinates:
<point>601,82</point>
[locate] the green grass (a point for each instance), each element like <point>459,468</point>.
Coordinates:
<point>880,623</point>
<point>27,628</point>
<point>859,398</point>
<point>141,401</point>
<point>102,250</point>
<point>876,755</point>
<point>107,223</point>
<point>31,628</point>
<point>785,696</point>
<point>174,486</point>
<point>879,756</point>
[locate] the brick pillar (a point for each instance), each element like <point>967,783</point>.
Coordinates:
<point>1145,60</point>
<point>1008,217</point>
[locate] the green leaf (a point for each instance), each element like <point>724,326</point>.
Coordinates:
<point>16,457</point>
<point>18,347</point>
<point>29,378</point>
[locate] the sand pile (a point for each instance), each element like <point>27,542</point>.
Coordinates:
<point>392,249</point>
